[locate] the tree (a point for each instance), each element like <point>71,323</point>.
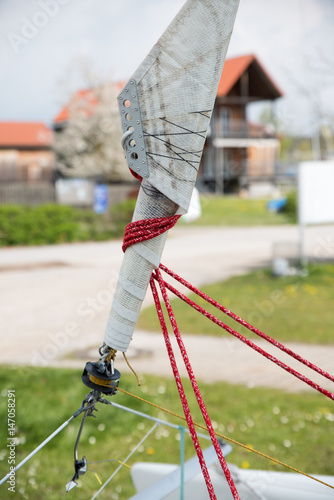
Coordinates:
<point>88,146</point>
<point>319,69</point>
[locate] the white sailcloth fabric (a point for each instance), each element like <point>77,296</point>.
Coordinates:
<point>177,86</point>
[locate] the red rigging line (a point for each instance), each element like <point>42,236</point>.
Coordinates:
<point>248,342</point>
<point>197,394</point>
<point>183,398</point>
<point>143,230</point>
<point>246,324</point>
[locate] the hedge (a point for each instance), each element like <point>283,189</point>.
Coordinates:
<point>48,224</point>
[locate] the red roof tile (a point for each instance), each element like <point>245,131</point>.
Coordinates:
<point>25,134</point>
<point>234,68</point>
<point>232,71</point>
<point>83,97</point>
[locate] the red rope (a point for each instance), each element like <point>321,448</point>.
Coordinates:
<point>249,342</point>
<point>183,398</point>
<point>146,229</point>
<point>246,324</point>
<point>143,230</point>
<point>196,388</point>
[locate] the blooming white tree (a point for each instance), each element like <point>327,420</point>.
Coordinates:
<point>88,144</point>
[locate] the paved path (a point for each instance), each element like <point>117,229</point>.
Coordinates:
<point>55,301</point>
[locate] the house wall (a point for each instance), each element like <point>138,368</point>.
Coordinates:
<point>26,165</point>
<point>236,115</point>
<point>261,159</point>
<point>249,152</point>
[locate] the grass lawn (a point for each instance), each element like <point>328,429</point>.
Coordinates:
<point>235,211</point>
<point>295,428</point>
<point>288,309</point>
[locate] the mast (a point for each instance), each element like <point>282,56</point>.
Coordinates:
<point>165,111</point>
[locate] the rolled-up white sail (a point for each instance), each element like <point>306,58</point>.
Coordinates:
<point>175,87</point>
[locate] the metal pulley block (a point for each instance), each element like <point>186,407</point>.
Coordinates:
<point>101,377</point>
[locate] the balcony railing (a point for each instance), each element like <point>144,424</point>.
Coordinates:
<point>242,129</point>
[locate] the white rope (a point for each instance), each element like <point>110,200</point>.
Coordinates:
<point>237,477</point>
<point>161,422</point>
<point>125,460</point>
<point>36,450</point>
<point>148,417</point>
<point>57,431</point>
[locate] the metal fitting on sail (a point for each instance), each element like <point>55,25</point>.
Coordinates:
<point>133,136</point>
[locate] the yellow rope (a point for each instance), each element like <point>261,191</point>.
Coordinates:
<point>133,371</point>
<point>122,463</point>
<point>112,356</point>
<point>119,462</point>
<point>228,439</point>
<point>97,477</point>
<point>100,381</point>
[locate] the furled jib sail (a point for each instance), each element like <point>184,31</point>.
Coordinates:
<point>165,111</point>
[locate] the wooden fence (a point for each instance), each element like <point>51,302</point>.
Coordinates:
<point>27,194</point>
<point>40,193</point>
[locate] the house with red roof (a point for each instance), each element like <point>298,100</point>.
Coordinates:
<point>83,102</point>
<point>239,154</point>
<point>25,152</point>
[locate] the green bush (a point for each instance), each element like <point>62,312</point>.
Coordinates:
<point>102,227</point>
<point>290,208</point>
<point>93,227</point>
<point>21,225</point>
<point>48,224</point>
<point>121,215</point>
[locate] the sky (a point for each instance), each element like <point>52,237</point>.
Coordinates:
<point>44,42</point>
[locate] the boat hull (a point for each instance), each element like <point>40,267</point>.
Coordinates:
<point>251,484</point>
